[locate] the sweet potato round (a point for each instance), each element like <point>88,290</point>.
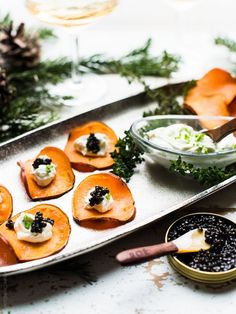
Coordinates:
<point>213,95</point>
<point>62,183</point>
<point>7,255</point>
<point>6,204</point>
<point>26,251</point>
<point>88,163</point>
<point>122,211</point>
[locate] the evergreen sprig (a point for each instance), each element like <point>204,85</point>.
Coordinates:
<point>134,65</point>
<point>226,42</point>
<point>33,105</point>
<point>46,72</point>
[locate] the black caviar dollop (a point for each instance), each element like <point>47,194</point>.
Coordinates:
<point>97,195</point>
<point>220,234</point>
<point>39,223</point>
<point>41,161</point>
<point>93,144</point>
<point>10,224</point>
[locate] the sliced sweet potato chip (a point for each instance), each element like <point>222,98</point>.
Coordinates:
<point>88,163</point>
<point>122,210</point>
<point>26,251</point>
<point>6,204</point>
<point>212,96</point>
<point>7,255</point>
<point>62,183</point>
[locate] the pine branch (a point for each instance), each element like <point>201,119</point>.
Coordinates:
<point>134,65</point>
<point>46,72</point>
<point>32,105</point>
<point>226,42</point>
<point>6,20</point>
<point>28,111</point>
<point>45,33</point>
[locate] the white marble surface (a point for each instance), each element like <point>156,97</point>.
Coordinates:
<point>186,27</point>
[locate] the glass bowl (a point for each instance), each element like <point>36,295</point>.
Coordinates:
<point>164,156</point>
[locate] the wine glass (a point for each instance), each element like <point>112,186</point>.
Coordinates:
<point>74,15</point>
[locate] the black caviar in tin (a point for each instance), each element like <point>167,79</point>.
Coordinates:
<point>220,234</point>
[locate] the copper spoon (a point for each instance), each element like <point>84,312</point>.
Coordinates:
<point>219,133</point>
<point>192,241</point>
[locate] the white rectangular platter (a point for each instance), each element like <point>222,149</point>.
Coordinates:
<point>156,191</point>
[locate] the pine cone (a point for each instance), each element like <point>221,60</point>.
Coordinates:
<point>18,50</point>
<point>6,90</point>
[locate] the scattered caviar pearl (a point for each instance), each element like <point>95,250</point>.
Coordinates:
<point>10,224</point>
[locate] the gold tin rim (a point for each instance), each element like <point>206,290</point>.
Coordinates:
<point>195,274</point>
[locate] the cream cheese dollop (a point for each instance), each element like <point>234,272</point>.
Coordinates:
<point>184,138</point>
<point>44,174</point>
<point>23,232</point>
<point>80,145</point>
<point>104,206</point>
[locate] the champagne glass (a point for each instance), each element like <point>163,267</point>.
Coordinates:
<point>73,15</point>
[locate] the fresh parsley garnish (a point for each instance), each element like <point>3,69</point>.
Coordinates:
<point>27,221</point>
<point>199,137</point>
<point>49,168</point>
<point>108,196</point>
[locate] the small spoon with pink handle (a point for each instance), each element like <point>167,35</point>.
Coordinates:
<point>219,133</point>
<point>192,241</point>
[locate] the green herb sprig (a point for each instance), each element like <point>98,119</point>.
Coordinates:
<point>126,157</point>
<point>27,221</point>
<point>167,98</point>
<point>129,155</point>
<point>205,176</point>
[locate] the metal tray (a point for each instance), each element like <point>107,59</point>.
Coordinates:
<point>156,191</point>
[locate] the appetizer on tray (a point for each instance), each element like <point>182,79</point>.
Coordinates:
<point>89,146</point>
<point>103,201</point>
<point>7,255</point>
<point>6,204</point>
<point>47,176</point>
<point>213,95</point>
<point>36,233</point>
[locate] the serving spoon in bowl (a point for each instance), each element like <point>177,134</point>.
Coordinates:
<point>219,133</point>
<point>191,241</point>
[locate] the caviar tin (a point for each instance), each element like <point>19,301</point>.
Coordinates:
<point>195,274</point>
